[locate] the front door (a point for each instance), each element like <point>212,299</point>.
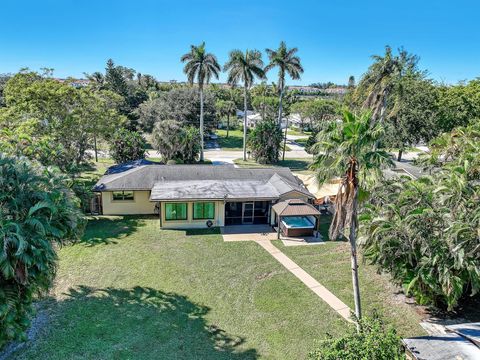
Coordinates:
<point>247,213</point>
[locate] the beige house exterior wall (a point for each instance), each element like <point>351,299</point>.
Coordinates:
<point>140,205</point>
<point>194,224</point>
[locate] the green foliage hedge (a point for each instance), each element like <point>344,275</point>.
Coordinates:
<point>38,211</point>
<point>375,341</point>
<point>425,232</point>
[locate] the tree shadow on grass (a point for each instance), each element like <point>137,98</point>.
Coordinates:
<point>141,323</point>
<point>107,230</point>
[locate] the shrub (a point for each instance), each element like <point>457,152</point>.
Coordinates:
<point>375,341</point>
<point>265,141</point>
<point>37,212</point>
<point>176,141</point>
<point>126,145</point>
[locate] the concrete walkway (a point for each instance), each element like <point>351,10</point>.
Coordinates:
<point>321,291</point>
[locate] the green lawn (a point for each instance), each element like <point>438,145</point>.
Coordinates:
<point>234,140</point>
<point>300,164</point>
<point>330,264</point>
<point>131,290</point>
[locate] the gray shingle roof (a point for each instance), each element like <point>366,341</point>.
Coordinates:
<point>213,190</point>
<point>203,180</point>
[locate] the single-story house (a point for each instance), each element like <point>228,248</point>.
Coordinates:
<point>197,196</point>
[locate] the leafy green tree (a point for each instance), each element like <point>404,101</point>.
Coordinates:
<point>38,213</point>
<point>347,149</point>
<point>190,145</point>
<point>316,111</point>
<point>375,340</point>
<point>265,100</point>
<point>180,104</point>
<point>200,66</point>
<point>56,111</point>
<point>414,118</point>
<point>265,142</point>
<point>226,108</point>
<point>458,105</point>
<point>176,141</point>
<point>244,67</point>
<point>127,145</point>
<point>287,63</point>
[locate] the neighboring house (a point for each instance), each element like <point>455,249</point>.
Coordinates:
<point>197,196</point>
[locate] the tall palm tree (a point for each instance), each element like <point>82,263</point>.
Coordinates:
<point>244,67</point>
<point>287,63</point>
<point>201,66</point>
<point>347,149</point>
<point>382,77</point>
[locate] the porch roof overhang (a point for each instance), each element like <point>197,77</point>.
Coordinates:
<point>294,207</point>
<point>227,190</point>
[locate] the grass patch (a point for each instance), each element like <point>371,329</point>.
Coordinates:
<point>130,290</point>
<point>299,164</point>
<point>233,142</point>
<point>297,132</point>
<point>330,265</point>
<point>302,141</point>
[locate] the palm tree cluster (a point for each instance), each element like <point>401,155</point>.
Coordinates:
<point>425,232</point>
<point>241,67</point>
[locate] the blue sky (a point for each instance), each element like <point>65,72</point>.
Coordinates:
<point>335,38</point>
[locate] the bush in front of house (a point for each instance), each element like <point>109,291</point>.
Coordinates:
<point>375,340</point>
<point>38,212</point>
<point>176,140</point>
<point>126,145</point>
<point>265,142</point>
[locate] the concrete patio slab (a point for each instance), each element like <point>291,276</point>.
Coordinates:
<point>248,233</point>
<point>310,240</point>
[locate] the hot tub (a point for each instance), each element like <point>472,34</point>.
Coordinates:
<point>297,226</point>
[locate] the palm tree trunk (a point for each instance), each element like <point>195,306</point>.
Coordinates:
<point>353,252</point>
<point>201,124</point>
<point>228,123</point>
<point>400,152</point>
<point>95,147</point>
<point>285,141</point>
<point>280,108</point>
<point>245,123</point>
